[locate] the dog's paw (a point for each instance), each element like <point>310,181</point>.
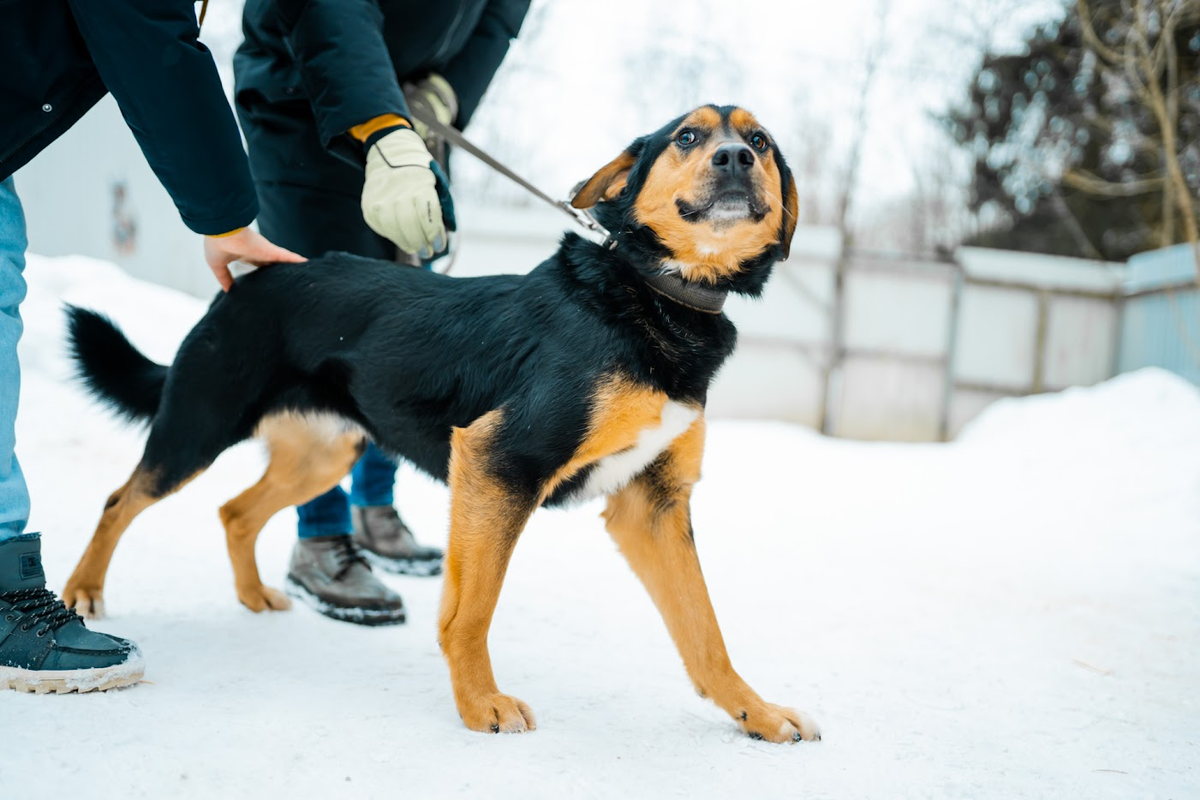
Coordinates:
<point>778,724</point>
<point>263,598</point>
<point>87,603</point>
<point>497,713</point>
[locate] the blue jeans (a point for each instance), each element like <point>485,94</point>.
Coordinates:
<point>372,481</point>
<point>14,495</point>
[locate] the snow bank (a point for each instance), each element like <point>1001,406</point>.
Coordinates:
<point>1016,614</point>
<point>1145,410</point>
<point>154,317</point>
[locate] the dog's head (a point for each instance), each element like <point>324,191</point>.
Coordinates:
<point>709,195</point>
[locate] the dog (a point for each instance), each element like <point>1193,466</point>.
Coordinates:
<point>586,377</point>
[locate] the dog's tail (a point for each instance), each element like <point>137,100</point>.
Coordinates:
<point>112,369</point>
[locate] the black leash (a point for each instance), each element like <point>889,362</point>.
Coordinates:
<point>455,138</point>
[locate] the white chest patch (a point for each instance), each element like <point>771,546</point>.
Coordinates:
<point>611,473</point>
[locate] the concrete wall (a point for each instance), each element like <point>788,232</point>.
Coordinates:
<point>897,325</point>
<point>1030,322</point>
<point>927,344</point>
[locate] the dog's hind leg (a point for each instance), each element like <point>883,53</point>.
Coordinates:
<point>207,404</point>
<point>486,517</point>
<point>85,588</point>
<point>308,456</point>
<point>650,520</point>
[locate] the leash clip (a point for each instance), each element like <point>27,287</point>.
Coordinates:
<point>589,222</point>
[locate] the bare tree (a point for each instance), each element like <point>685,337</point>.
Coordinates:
<point>1138,53</point>
<point>875,53</point>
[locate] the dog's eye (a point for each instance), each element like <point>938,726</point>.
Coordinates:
<point>686,137</point>
<point>759,141</point>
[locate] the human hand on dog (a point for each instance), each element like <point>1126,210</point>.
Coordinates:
<point>247,246</point>
<point>406,198</point>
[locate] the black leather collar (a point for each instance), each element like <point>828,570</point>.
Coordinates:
<point>691,295</point>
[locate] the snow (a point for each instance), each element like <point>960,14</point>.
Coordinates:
<point>1016,614</point>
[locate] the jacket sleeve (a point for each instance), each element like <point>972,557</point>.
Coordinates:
<point>473,68</point>
<point>344,65</point>
<point>148,55</point>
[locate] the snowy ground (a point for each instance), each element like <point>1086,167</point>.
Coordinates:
<point>1013,615</point>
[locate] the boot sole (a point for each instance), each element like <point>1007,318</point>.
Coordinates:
<point>403,566</point>
<point>373,617</point>
<point>71,681</point>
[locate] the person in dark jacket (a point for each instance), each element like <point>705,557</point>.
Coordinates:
<point>323,91</point>
<point>57,59</point>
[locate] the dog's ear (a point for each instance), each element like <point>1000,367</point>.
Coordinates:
<point>791,206</point>
<point>609,180</point>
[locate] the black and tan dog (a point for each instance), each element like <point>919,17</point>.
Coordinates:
<point>585,377</point>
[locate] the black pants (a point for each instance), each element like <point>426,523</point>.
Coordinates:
<point>309,200</point>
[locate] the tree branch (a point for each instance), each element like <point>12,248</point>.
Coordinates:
<point>1089,35</point>
<point>1093,184</point>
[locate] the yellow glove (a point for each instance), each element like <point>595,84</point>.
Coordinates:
<point>401,198</point>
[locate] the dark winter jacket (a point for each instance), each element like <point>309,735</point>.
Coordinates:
<point>347,58</point>
<point>59,57</point>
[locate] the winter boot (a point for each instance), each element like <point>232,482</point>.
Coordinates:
<point>44,646</point>
<point>331,575</point>
<point>388,543</point>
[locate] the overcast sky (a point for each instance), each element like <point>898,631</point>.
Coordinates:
<point>585,78</point>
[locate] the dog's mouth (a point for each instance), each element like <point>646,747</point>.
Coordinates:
<point>727,206</point>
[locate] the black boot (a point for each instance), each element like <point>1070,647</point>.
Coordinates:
<point>44,646</point>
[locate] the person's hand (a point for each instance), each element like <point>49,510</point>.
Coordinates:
<point>435,96</point>
<point>247,246</point>
<point>404,199</point>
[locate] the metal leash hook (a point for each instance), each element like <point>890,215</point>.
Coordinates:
<point>454,137</point>
<point>585,219</point>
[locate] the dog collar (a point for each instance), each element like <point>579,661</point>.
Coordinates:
<point>690,295</point>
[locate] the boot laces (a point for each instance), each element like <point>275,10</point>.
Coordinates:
<point>45,610</point>
<point>347,555</point>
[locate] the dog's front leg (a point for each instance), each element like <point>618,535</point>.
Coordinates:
<point>486,517</point>
<point>650,520</point>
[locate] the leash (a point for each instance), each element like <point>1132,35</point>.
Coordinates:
<point>456,138</point>
<point>669,285</point>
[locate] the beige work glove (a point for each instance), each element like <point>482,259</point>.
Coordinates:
<point>404,198</point>
<point>433,95</point>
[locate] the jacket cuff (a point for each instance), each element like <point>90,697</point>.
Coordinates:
<point>227,223</point>
<point>383,122</point>
<point>227,233</point>
<point>382,132</point>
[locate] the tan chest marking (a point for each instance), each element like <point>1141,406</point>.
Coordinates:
<point>612,472</point>
<point>629,427</point>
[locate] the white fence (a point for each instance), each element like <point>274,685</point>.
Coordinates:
<point>881,347</point>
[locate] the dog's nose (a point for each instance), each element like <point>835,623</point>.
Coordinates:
<point>733,158</point>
